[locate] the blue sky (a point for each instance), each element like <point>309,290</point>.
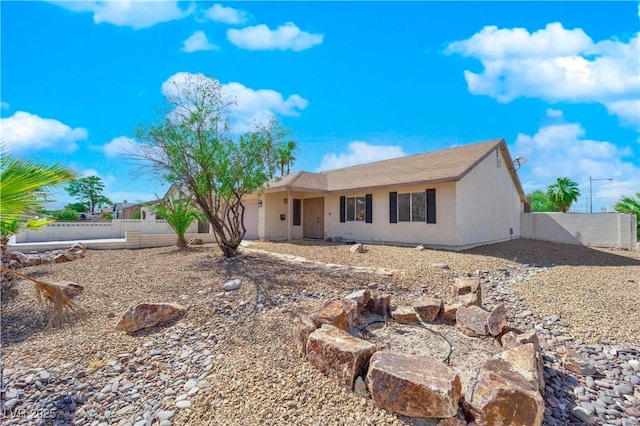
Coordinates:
<point>354,81</point>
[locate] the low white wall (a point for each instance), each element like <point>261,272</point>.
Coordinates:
<point>609,230</point>
<point>116,228</point>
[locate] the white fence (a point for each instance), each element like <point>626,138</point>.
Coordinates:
<point>609,230</point>
<point>116,228</point>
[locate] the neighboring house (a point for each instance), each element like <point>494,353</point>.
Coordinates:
<point>125,210</point>
<point>453,199</point>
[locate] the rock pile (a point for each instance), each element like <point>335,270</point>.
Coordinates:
<point>509,386</point>
<point>16,260</point>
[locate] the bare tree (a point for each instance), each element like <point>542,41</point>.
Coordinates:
<point>190,145</point>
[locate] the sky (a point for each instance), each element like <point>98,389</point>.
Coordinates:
<point>354,81</point>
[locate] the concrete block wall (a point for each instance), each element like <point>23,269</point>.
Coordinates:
<point>608,230</point>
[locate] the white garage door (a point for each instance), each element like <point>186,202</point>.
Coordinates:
<point>251,219</point>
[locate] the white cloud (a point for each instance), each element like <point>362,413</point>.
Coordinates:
<point>24,131</point>
<point>250,105</point>
<point>285,37</point>
<point>4,105</point>
<point>562,150</point>
<point>197,42</point>
<point>557,65</point>
<point>122,145</point>
<point>555,113</point>
<point>360,153</point>
<point>226,15</point>
<point>136,14</point>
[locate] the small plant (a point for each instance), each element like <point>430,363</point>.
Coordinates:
<point>137,215</point>
<point>66,214</point>
<point>108,216</point>
<point>179,213</point>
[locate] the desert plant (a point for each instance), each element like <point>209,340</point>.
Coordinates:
<point>66,214</point>
<point>562,193</point>
<point>179,213</point>
<point>630,205</point>
<point>137,215</point>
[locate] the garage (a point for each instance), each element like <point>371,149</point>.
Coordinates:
<point>251,219</point>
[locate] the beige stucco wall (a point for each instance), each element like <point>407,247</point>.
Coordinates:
<point>381,231</point>
<point>487,204</point>
<point>270,227</point>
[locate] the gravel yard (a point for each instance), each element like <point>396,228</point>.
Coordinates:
<point>231,359</point>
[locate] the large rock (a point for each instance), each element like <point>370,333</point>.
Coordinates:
<point>449,311</point>
<point>506,391</point>
<point>497,320</point>
<point>512,340</point>
<point>302,328</point>
<point>195,242</point>
<point>428,308</point>
<point>472,321</point>
<point>576,363</point>
<point>331,312</point>
<point>58,258</point>
<point>464,286</point>
<point>495,401</point>
<point>147,315</point>
<point>361,297</point>
<point>517,364</point>
<point>357,248</point>
<point>339,355</point>
<point>404,313</point>
<point>351,311</point>
<point>469,299</point>
<point>416,386</point>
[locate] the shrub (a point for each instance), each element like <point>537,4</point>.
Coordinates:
<point>66,214</point>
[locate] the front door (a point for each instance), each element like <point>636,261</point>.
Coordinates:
<point>313,214</point>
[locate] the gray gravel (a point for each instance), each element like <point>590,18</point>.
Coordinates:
<point>231,359</point>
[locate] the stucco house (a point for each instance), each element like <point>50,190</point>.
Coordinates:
<point>453,199</point>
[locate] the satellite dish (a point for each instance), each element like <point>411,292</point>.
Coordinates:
<point>519,161</point>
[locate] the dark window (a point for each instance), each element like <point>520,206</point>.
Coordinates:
<point>418,206</point>
<point>351,209</point>
<point>297,212</point>
<point>404,207</point>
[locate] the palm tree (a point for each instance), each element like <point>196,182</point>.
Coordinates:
<point>24,186</point>
<point>563,193</point>
<point>179,213</point>
<point>630,205</point>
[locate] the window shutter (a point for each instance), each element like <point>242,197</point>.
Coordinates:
<point>431,206</point>
<point>297,210</point>
<point>368,199</point>
<point>343,202</point>
<point>393,207</point>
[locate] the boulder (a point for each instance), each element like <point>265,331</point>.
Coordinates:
<point>428,308</point>
<point>331,312</point>
<point>78,246</point>
<point>351,311</point>
<point>497,320</point>
<point>403,313</point>
<point>450,311</point>
<point>195,242</point>
<point>361,297</point>
<point>357,248</point>
<point>58,258</point>
<point>518,365</point>
<point>147,315</point>
<point>472,321</point>
<point>469,299</point>
<point>415,386</point>
<point>464,286</point>
<point>381,305</point>
<point>512,340</point>
<point>34,259</point>
<point>495,401</point>
<point>507,389</point>
<point>302,327</point>
<point>339,355</point>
